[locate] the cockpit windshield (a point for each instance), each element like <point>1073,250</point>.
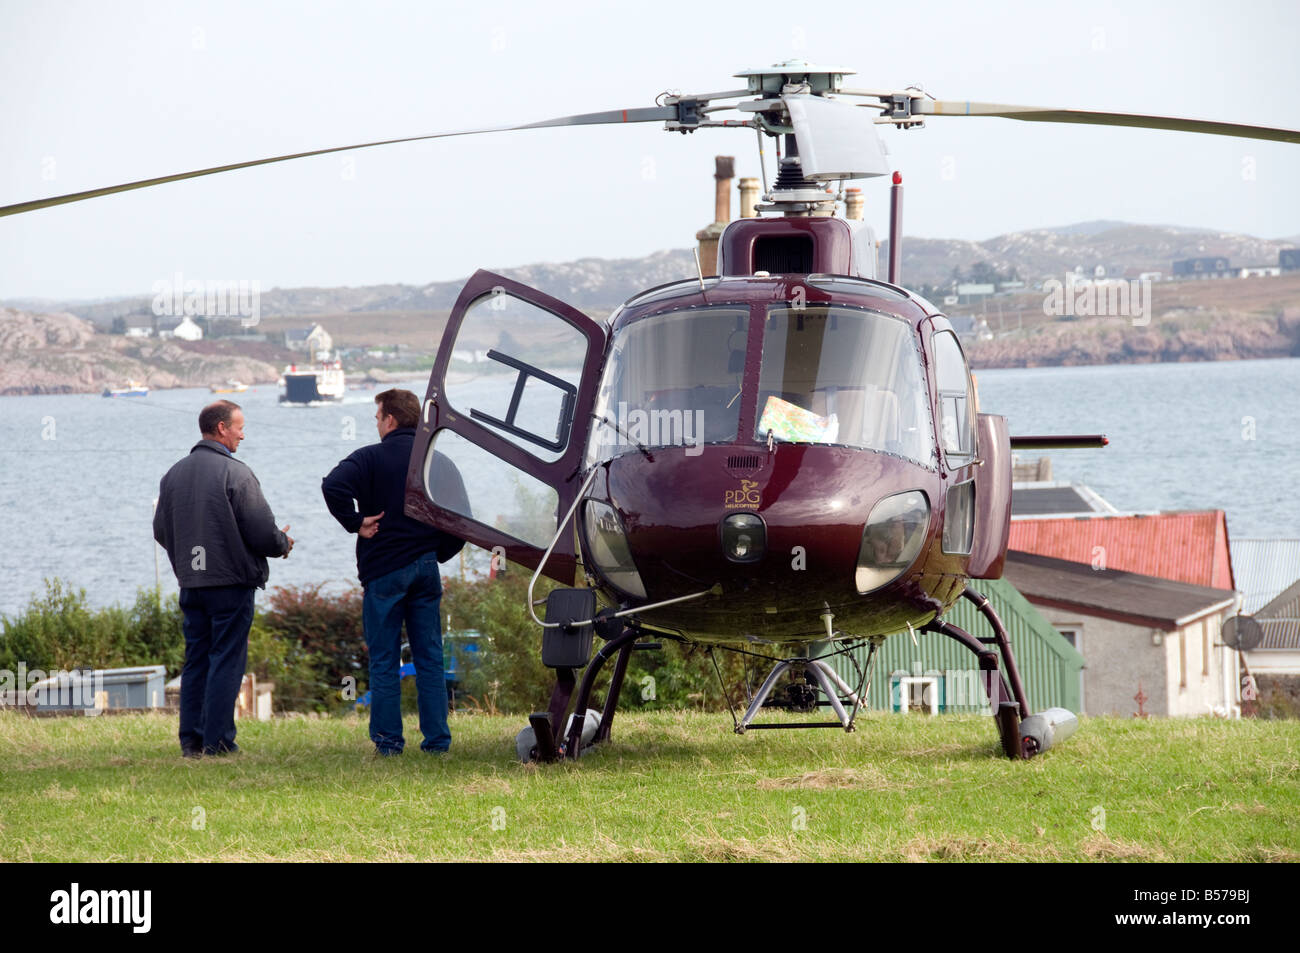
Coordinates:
<point>672,379</point>
<point>838,375</point>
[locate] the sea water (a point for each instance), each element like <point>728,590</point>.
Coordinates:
<point>79,473</point>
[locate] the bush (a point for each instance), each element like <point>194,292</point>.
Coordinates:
<point>322,642</point>
<point>298,684</point>
<point>59,631</point>
<point>507,673</point>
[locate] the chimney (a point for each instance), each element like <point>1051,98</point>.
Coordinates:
<point>748,197</point>
<point>724,170</point>
<point>854,204</point>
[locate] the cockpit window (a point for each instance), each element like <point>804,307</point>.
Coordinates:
<point>956,401</point>
<point>838,375</point>
<point>672,379</point>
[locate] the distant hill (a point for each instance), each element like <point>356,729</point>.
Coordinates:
<point>1043,253</point>
<point>598,285</point>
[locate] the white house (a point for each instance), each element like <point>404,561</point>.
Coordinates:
<point>313,340</point>
<point>185,329</point>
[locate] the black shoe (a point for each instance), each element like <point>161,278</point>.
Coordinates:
<point>223,750</point>
<point>387,752</point>
<point>191,752</point>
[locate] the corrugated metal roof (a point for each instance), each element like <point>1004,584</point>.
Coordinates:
<point>1113,593</point>
<point>1056,499</point>
<point>1264,568</point>
<point>1280,634</point>
<point>1049,666</point>
<point>1190,547</point>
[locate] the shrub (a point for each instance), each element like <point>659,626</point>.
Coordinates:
<point>298,683</point>
<point>508,674</point>
<point>59,630</point>
<point>323,642</point>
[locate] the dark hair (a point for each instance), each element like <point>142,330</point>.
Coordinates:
<point>217,412</point>
<point>401,405</point>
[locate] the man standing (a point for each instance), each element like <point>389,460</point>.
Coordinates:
<point>397,563</point>
<point>218,530</point>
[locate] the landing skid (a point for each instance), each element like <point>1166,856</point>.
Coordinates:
<point>547,740</point>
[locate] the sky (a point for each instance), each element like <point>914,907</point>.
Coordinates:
<point>94,94</point>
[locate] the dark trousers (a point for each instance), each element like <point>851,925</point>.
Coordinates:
<point>411,595</point>
<point>216,624</point>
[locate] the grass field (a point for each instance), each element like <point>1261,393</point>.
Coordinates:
<point>670,786</point>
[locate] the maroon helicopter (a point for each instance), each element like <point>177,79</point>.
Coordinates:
<point>787,455</point>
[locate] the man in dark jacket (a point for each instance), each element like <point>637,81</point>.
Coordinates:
<point>218,530</point>
<point>397,563</point>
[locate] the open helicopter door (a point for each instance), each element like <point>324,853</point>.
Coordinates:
<point>992,499</point>
<point>508,408</point>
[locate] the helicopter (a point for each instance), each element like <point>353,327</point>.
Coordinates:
<point>788,455</point>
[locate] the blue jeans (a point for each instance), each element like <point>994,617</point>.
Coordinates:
<point>216,623</point>
<point>409,594</point>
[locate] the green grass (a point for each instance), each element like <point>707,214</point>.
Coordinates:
<point>670,786</point>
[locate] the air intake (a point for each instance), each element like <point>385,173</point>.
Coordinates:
<point>784,254</point>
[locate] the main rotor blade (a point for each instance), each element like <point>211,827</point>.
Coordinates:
<point>941,107</point>
<point>648,114</point>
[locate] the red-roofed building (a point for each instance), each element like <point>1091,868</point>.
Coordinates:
<point>1190,547</point>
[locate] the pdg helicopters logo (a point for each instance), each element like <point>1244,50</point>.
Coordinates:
<point>749,495</point>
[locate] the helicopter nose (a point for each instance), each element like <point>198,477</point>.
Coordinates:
<point>744,537</point>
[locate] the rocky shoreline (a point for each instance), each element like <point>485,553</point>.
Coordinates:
<point>63,354</point>
<point>1213,337</point>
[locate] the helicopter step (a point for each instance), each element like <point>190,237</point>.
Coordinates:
<point>542,740</point>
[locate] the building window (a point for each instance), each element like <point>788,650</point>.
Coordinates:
<point>1071,635</point>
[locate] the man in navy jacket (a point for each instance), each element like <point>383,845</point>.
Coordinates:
<point>397,563</point>
<point>218,531</point>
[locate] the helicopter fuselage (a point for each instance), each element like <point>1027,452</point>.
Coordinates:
<point>808,487</point>
<point>782,457</point>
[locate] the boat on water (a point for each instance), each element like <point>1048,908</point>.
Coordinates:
<point>321,382</point>
<point>229,387</point>
<point>132,389</point>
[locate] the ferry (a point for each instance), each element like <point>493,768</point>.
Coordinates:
<point>322,382</point>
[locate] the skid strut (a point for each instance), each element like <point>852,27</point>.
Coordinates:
<point>1008,703</point>
<point>621,645</point>
<point>827,679</point>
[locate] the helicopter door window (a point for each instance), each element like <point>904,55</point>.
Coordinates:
<point>494,493</point>
<point>845,376</point>
<point>515,369</point>
<point>956,401</point>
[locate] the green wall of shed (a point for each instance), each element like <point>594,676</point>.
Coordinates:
<point>1049,666</point>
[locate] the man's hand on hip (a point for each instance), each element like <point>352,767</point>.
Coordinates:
<point>369,526</point>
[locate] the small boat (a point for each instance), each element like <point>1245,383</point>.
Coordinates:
<point>229,387</point>
<point>132,389</point>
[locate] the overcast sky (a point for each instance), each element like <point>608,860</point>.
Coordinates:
<point>94,94</point>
